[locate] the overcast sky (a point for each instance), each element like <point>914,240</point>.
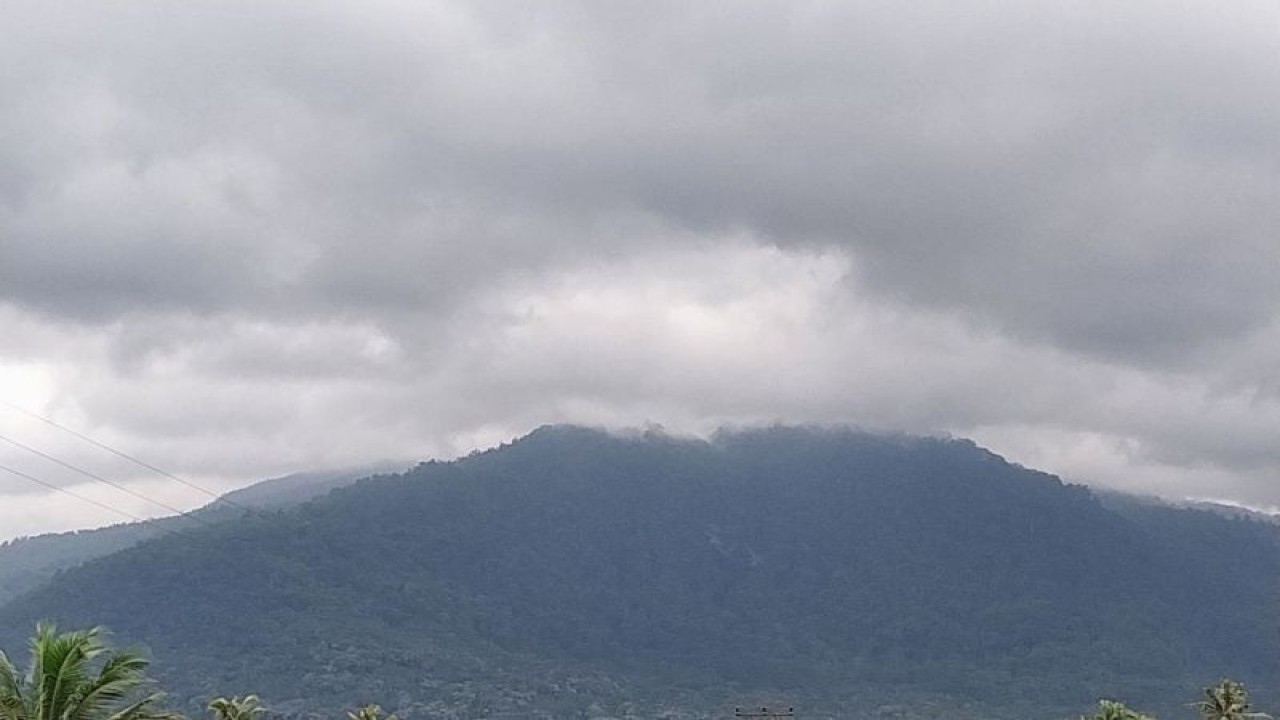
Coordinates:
<point>239,239</point>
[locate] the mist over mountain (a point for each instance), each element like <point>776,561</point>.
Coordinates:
<point>574,573</point>
<point>296,488</point>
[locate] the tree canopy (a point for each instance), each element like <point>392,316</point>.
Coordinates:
<point>78,676</point>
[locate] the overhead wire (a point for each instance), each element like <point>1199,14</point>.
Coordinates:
<point>159,524</point>
<point>72,493</point>
<point>99,478</point>
<point>165,529</point>
<point>108,448</point>
<point>126,456</point>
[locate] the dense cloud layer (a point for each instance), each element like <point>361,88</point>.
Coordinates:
<point>244,239</point>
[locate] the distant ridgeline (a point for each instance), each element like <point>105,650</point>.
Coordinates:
<point>578,574</point>
<point>27,563</point>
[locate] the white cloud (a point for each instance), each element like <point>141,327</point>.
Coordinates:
<point>240,240</point>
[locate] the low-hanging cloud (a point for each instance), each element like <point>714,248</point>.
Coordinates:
<point>247,239</point>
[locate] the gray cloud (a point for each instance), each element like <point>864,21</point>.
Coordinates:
<point>418,227</point>
<point>1093,177</point>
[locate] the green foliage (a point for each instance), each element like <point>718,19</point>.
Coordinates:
<point>573,568</point>
<point>77,676</point>
<point>236,708</point>
<point>370,712</point>
<point>29,562</point>
<point>1114,710</point>
<point>1228,700</point>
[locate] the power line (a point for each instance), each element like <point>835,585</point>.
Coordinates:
<point>101,479</point>
<point>72,493</point>
<point>121,454</point>
<point>162,528</point>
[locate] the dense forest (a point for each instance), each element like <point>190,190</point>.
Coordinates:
<point>574,572</point>
<point>28,562</point>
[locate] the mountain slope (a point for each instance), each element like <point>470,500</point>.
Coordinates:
<point>27,563</point>
<point>289,490</point>
<point>821,564</point>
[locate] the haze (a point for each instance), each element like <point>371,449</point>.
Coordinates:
<point>243,239</point>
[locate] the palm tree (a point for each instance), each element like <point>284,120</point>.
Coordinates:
<point>370,712</point>
<point>236,708</point>
<point>1228,700</point>
<point>77,676</point>
<point>1113,710</point>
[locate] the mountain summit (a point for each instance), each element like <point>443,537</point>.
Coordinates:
<point>574,569</point>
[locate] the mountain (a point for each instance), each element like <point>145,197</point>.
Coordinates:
<point>27,563</point>
<point>1122,500</point>
<point>574,573</point>
<point>283,492</point>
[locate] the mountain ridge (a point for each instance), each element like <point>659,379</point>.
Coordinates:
<point>27,562</point>
<point>819,563</point>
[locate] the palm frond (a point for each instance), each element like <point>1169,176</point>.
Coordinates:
<point>143,710</point>
<point>13,701</point>
<point>236,708</point>
<point>120,676</point>
<point>60,666</point>
<point>77,676</point>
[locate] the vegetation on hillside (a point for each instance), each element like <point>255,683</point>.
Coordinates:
<point>573,569</point>
<point>77,676</point>
<point>27,563</point>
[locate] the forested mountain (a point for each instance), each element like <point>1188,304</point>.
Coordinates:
<point>580,574</point>
<point>26,563</point>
